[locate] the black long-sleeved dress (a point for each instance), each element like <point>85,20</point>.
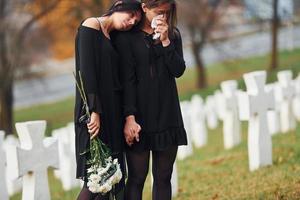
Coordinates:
<point>148,73</point>
<point>98,62</point>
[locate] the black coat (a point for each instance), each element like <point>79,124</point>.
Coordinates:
<point>148,73</point>
<point>98,62</point>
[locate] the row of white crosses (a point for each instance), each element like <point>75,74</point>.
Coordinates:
<point>263,107</point>
<point>269,109</point>
<point>30,161</point>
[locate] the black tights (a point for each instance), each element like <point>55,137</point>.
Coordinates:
<point>162,168</point>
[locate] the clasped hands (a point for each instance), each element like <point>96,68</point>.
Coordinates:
<point>131,130</point>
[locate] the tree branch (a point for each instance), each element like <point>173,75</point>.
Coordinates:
<point>35,18</point>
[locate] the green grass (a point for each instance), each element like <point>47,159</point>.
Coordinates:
<point>211,172</point>
<point>214,173</point>
<point>56,114</point>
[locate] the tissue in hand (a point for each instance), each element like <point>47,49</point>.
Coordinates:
<point>154,25</point>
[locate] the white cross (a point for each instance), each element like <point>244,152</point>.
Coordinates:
<point>3,188</point>
<point>231,123</point>
<point>13,186</point>
<point>260,101</point>
<point>32,160</point>
<point>287,92</point>
<point>185,151</point>
<point>211,112</point>
<point>273,116</point>
<point>220,104</point>
<point>198,128</point>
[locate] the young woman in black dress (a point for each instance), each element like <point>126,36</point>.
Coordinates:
<point>151,105</point>
<point>98,63</point>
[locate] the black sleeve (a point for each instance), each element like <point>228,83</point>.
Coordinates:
<point>128,74</point>
<point>173,55</point>
<point>87,63</point>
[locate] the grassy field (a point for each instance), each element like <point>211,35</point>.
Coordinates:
<point>212,172</point>
<point>215,173</point>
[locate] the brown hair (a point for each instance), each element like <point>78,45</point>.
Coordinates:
<point>124,5</point>
<point>172,19</point>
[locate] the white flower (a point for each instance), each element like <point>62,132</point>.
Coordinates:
<point>93,187</point>
<point>115,161</point>
<point>116,177</point>
<point>91,169</point>
<point>102,170</point>
<point>105,188</point>
<point>95,178</point>
<point>108,160</point>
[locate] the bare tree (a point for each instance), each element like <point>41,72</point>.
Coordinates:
<point>275,24</point>
<point>200,16</point>
<point>19,21</point>
<point>15,24</point>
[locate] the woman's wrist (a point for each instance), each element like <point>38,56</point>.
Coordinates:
<point>166,42</point>
<point>130,118</point>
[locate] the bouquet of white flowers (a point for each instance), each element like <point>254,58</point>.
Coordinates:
<point>103,172</point>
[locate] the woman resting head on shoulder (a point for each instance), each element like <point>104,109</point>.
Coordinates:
<point>122,16</point>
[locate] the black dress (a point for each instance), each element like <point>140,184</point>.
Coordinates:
<point>148,72</point>
<point>98,62</point>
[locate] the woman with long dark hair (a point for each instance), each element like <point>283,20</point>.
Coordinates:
<point>152,59</point>
<point>98,63</point>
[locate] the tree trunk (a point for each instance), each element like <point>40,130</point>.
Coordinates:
<point>201,78</point>
<point>6,107</point>
<point>275,22</point>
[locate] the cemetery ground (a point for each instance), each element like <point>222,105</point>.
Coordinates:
<point>211,172</point>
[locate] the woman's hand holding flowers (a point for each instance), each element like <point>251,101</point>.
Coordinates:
<point>94,125</point>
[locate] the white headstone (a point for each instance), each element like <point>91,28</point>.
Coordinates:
<point>32,160</point>
<point>67,160</point>
<point>296,102</point>
<point>273,116</point>
<point>287,93</point>
<point>13,186</point>
<point>198,128</point>
<point>231,122</point>
<point>220,104</point>
<point>185,151</point>
<point>3,188</point>
<point>211,112</point>
<point>259,138</point>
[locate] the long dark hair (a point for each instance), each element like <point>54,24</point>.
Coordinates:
<point>124,5</point>
<point>172,18</point>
